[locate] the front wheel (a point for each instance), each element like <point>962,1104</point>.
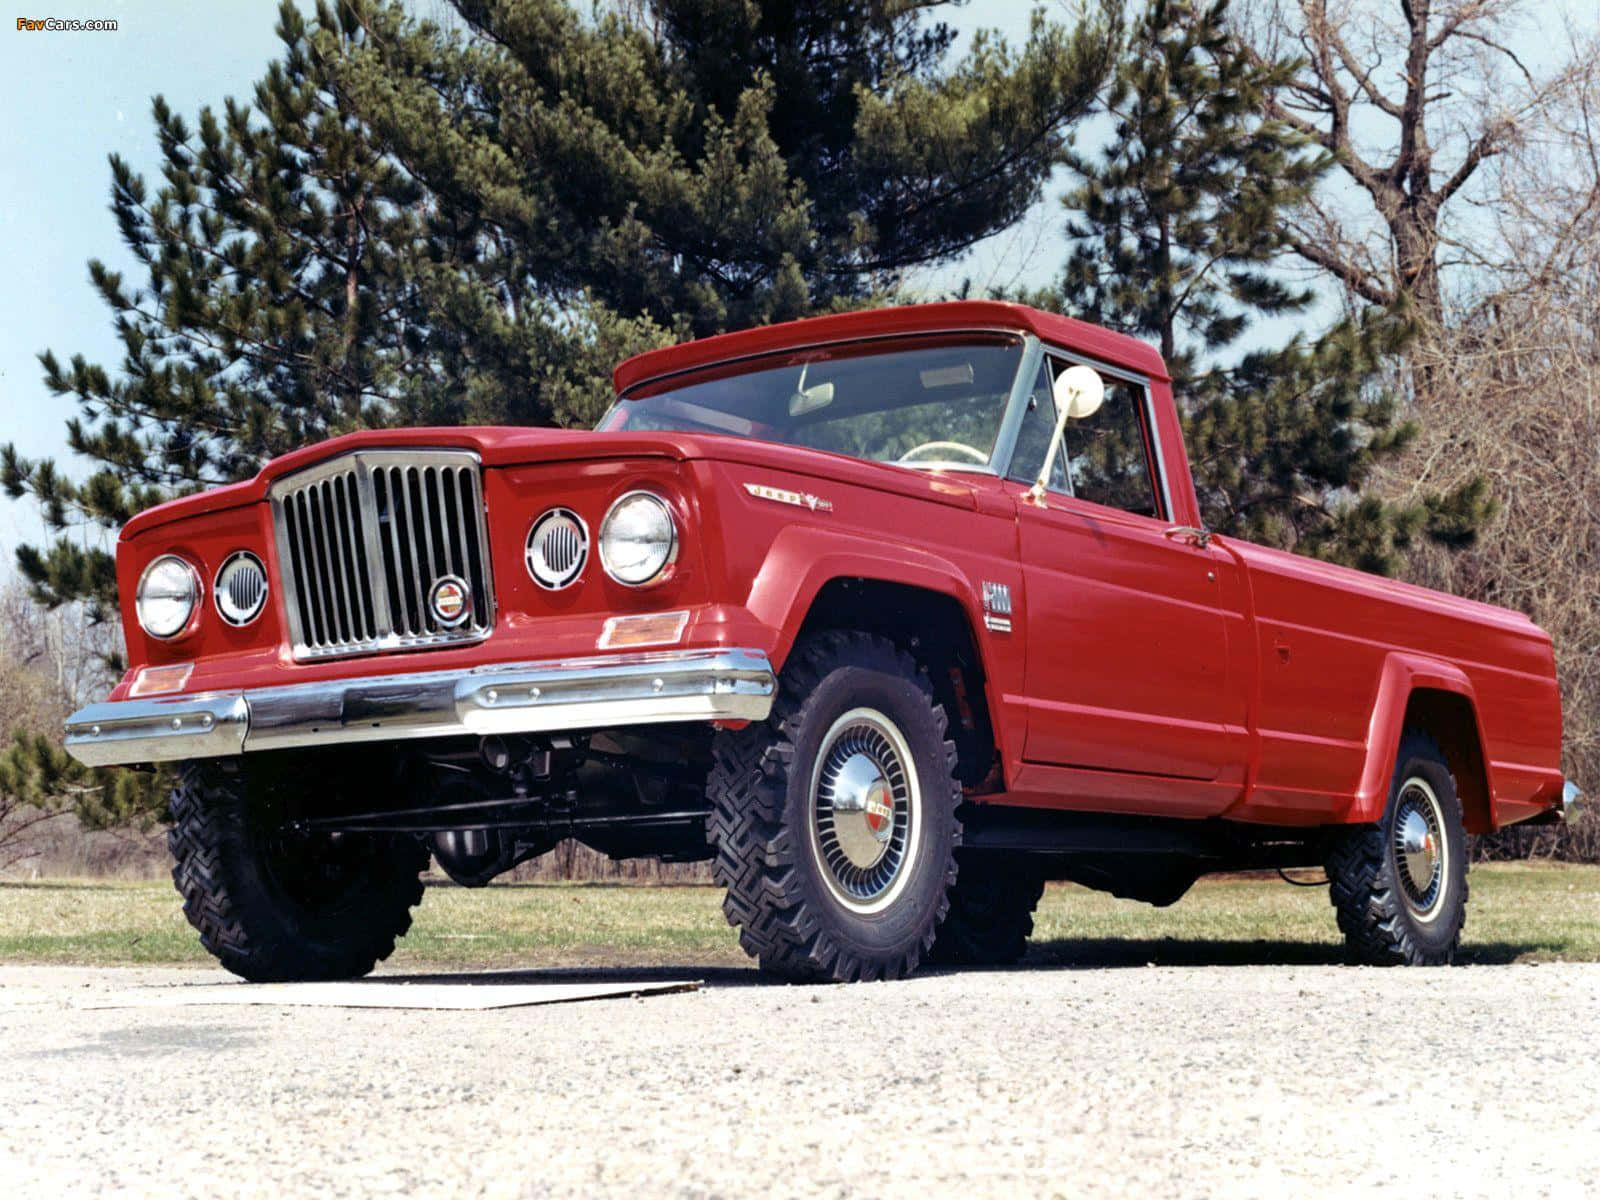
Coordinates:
<point>833,821</point>
<point>1400,887</point>
<point>272,905</point>
<point>991,912</point>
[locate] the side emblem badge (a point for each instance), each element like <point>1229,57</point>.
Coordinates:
<point>997,606</point>
<point>783,496</point>
<point>448,600</point>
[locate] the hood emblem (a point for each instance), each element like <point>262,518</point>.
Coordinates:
<point>799,499</point>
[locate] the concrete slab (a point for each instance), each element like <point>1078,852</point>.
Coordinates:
<point>442,994</point>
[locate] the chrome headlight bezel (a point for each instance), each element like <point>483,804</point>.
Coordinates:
<point>536,549</point>
<point>176,573</point>
<point>656,566</point>
<point>222,594</point>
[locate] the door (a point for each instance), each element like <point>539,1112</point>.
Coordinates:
<point>1127,636</point>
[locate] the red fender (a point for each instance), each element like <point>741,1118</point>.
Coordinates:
<point>804,558</point>
<point>1402,675</point>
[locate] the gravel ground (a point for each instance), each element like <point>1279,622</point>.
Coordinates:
<point>1237,1081</point>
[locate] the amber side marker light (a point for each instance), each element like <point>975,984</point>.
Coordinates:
<point>154,681</point>
<point>647,629</point>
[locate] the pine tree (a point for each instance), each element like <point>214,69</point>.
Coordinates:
<point>1178,229</point>
<point>1175,224</point>
<point>713,164</point>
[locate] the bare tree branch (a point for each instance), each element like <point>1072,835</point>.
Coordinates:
<point>1441,58</point>
<point>1357,280</point>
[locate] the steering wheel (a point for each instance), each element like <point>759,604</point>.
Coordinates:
<point>959,447</point>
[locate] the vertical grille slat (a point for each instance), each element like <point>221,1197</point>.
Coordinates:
<point>344,572</point>
<point>421,568</point>
<point>441,513</point>
<point>325,578</point>
<point>389,547</point>
<point>363,540</point>
<point>318,630</point>
<point>407,563</point>
<point>464,536</point>
<point>330,576</point>
<point>478,547</point>
<point>289,526</point>
<point>422,530</point>
<point>450,519</point>
<point>360,568</point>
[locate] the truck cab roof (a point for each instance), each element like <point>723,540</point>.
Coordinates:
<point>1089,341</point>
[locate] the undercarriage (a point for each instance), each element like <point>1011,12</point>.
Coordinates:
<point>481,806</point>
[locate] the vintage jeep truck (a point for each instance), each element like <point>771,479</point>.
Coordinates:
<point>892,615</point>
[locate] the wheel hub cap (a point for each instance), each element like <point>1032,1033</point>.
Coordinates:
<point>863,808</point>
<point>863,801</point>
<point>1419,846</point>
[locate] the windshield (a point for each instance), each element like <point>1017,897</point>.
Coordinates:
<point>932,401</point>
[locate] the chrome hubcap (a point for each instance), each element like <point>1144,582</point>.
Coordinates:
<point>865,807</point>
<point>1419,847</point>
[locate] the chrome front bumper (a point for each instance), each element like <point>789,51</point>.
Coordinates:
<point>603,692</point>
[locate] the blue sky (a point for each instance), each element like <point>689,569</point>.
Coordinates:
<point>68,100</point>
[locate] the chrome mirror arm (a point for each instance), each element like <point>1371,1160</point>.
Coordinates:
<point>1036,493</point>
<point>1078,392</point>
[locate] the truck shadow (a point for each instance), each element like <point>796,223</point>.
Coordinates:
<point>1180,952</point>
<point>1059,954</point>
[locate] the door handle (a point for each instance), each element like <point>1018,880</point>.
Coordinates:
<point>1191,535</point>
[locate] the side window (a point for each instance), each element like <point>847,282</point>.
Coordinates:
<point>1033,438</point>
<point>1107,456</point>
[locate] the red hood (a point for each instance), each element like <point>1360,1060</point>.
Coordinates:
<point>503,446</point>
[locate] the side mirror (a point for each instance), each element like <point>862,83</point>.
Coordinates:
<point>1079,392</point>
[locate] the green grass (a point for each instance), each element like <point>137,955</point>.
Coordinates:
<point>1519,912</point>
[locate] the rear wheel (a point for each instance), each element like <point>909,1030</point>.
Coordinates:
<point>833,821</point>
<point>273,905</point>
<point>1400,887</point>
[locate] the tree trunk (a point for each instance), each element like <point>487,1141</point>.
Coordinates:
<point>1416,242</point>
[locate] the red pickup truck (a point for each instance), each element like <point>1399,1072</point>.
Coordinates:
<point>892,616</point>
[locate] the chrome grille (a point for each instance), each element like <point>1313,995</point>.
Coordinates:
<point>362,540</point>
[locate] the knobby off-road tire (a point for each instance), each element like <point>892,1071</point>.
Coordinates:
<point>273,908</point>
<point>797,813</point>
<point>1393,909</point>
<point>991,912</point>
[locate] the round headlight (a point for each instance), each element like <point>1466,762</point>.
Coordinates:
<point>168,591</point>
<point>638,539</point>
<point>241,588</point>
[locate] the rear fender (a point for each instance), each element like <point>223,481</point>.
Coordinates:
<point>1407,678</point>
